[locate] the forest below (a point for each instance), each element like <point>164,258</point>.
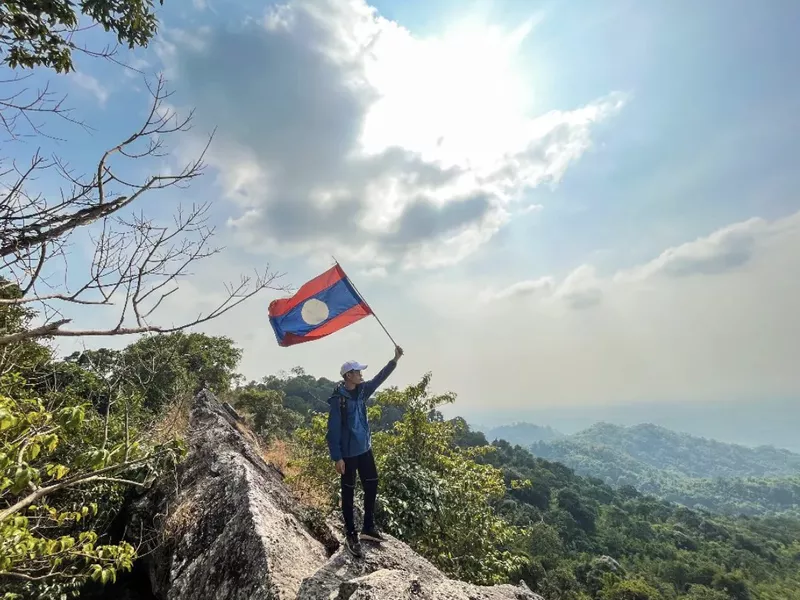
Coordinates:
<point>481,512</point>
<point>692,471</point>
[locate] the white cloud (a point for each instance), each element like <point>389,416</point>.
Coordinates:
<point>712,319</point>
<point>375,272</point>
<point>728,249</point>
<point>530,209</point>
<point>585,339</point>
<point>341,132</point>
<point>530,287</point>
<point>91,85</point>
<point>725,249</point>
<point>581,288</point>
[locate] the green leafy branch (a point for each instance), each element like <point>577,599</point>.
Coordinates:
<point>46,454</point>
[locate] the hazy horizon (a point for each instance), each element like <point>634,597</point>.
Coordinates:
<point>741,423</point>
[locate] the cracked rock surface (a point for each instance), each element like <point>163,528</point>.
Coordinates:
<point>232,530</point>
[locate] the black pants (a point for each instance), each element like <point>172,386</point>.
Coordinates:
<point>368,472</point>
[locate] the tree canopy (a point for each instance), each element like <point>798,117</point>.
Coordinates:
<point>40,33</point>
<point>73,439</point>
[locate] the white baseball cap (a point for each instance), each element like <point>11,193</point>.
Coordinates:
<point>351,365</point>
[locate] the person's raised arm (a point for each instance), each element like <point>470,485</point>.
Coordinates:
<point>373,384</point>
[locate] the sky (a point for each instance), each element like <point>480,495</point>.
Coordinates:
<point>552,206</point>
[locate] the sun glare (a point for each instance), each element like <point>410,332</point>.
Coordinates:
<point>459,99</point>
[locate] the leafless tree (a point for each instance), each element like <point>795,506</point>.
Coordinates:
<point>23,110</point>
<point>137,261</point>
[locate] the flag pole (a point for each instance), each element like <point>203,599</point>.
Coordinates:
<point>365,302</point>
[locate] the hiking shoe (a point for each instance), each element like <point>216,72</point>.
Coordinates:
<point>353,545</point>
<point>373,535</point>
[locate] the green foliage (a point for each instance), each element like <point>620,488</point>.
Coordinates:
<point>304,395</point>
<point>25,355</point>
<point>630,589</point>
<point>61,471</point>
<point>437,497</point>
<point>314,468</point>
<point>664,450</point>
<point>302,392</point>
<point>499,513</point>
<point>162,368</point>
<point>701,592</point>
<point>266,409</point>
<point>157,369</point>
<point>652,548</point>
<point>464,437</point>
<point>737,495</point>
<point>75,436</point>
<point>39,32</point>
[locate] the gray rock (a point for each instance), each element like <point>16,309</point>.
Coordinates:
<point>228,528</point>
<point>397,584</point>
<point>393,571</point>
<point>232,412</point>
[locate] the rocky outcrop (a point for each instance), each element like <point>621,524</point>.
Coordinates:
<point>394,571</point>
<point>228,528</point>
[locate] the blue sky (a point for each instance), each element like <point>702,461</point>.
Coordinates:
<point>550,204</point>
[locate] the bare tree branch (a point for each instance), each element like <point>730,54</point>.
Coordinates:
<point>137,262</point>
<point>22,106</point>
<point>30,221</point>
<point>36,332</point>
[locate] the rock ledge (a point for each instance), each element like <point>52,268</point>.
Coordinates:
<point>233,530</point>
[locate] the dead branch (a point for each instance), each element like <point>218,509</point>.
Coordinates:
<point>23,110</point>
<point>247,288</point>
<point>29,221</point>
<point>137,261</point>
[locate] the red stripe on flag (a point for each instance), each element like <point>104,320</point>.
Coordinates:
<point>307,290</point>
<point>348,317</point>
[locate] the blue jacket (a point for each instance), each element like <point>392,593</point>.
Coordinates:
<point>355,437</point>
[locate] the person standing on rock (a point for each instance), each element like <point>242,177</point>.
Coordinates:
<point>350,446</point>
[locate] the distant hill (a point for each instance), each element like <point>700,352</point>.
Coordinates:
<point>736,495</point>
<point>523,434</point>
<point>769,421</point>
<point>643,446</point>
<point>683,468</point>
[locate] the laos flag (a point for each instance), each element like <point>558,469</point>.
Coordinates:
<point>326,304</point>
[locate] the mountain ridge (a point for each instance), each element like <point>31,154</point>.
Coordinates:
<point>691,470</point>
<point>695,456</point>
<point>520,432</point>
<point>770,421</point>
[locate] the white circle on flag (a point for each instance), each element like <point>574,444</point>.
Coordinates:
<point>314,311</point>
